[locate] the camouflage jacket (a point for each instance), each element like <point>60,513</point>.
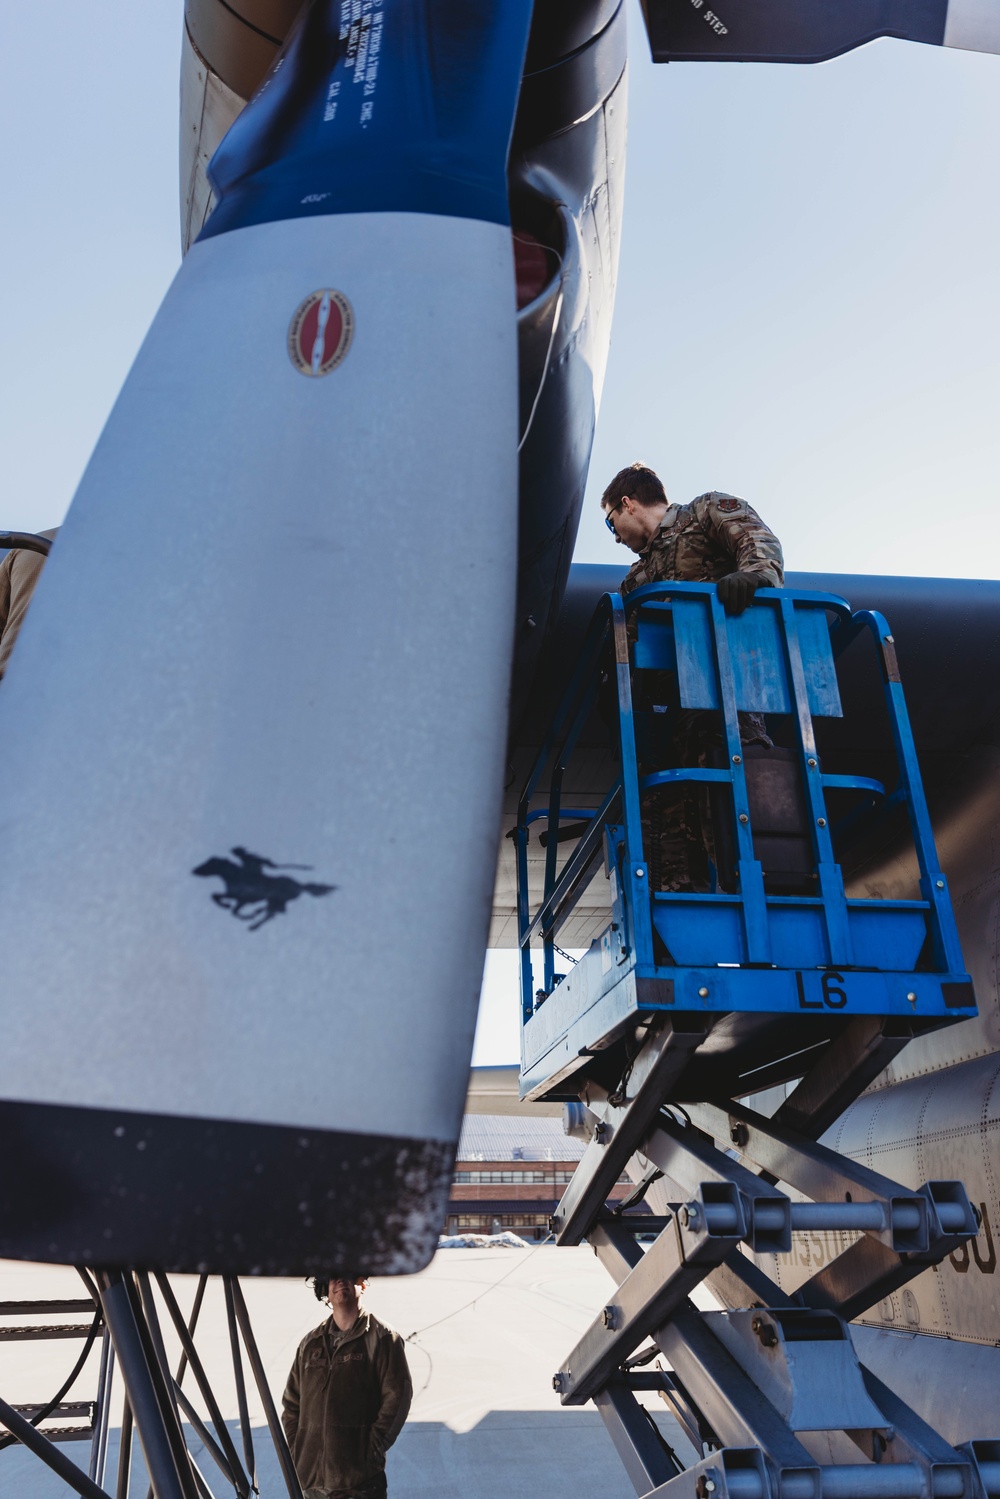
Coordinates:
<point>700,543</point>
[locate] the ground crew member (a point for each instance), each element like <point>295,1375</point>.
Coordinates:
<point>347,1396</point>
<point>719,539</point>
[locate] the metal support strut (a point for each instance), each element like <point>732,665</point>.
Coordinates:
<point>155,1406</point>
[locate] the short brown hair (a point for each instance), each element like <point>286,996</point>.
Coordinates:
<point>639,483</point>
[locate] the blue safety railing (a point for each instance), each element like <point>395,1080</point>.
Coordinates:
<point>748,946</point>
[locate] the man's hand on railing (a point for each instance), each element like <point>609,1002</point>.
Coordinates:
<point>736,591</point>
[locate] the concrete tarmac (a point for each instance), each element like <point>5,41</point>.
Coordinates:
<point>486,1330</point>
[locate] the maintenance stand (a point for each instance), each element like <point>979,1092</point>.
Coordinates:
<point>689,1004</point>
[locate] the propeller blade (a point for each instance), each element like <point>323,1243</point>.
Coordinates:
<point>278,623</point>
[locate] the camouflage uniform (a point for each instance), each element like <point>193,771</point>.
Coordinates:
<point>702,542</point>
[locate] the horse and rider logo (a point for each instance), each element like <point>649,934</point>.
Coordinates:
<point>251,894</point>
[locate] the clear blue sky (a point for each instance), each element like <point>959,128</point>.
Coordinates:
<point>808,310</point>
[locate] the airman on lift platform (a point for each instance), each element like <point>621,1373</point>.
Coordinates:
<point>717,538</point>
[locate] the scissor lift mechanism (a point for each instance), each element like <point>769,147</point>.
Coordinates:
<point>690,1002</point>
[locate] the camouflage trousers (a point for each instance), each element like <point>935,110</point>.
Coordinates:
<point>676,821</point>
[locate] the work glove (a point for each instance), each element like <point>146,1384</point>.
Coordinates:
<point>736,591</point>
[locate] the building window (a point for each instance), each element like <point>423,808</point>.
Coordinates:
<point>527,1225</point>
<point>513,1178</point>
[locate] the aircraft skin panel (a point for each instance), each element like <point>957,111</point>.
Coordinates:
<point>208,108</point>
<point>952,1385</point>
<point>240,38</point>
<point>568,150</point>
<point>936,1340</point>
<point>967,831</point>
<point>928,1129</point>
<point>932,1128</point>
<point>973,25</point>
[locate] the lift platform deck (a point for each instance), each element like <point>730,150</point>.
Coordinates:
<point>692,1001</point>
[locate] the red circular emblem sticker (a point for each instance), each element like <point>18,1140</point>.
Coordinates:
<point>320,332</point>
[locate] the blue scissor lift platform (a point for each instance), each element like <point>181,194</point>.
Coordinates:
<point>690,1002</point>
